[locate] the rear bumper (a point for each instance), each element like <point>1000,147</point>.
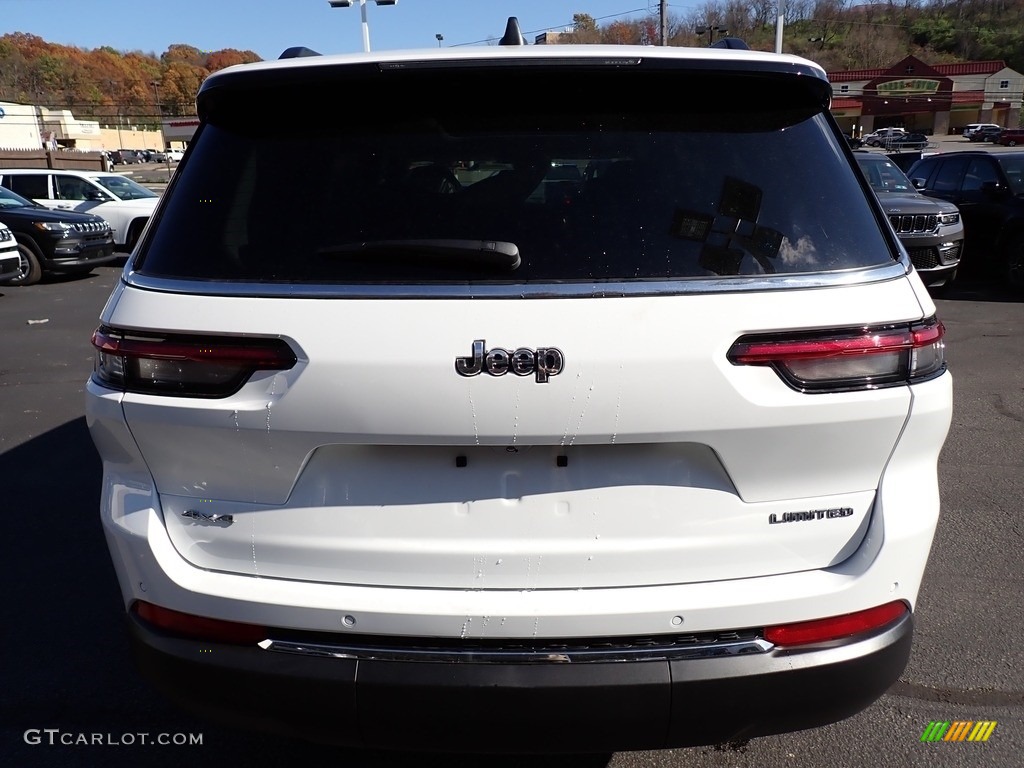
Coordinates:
<point>522,707</point>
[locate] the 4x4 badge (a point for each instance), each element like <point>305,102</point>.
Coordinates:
<point>545,362</point>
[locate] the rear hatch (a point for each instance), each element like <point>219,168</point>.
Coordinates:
<point>497,385</point>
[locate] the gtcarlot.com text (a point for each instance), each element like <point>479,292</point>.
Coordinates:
<point>56,737</point>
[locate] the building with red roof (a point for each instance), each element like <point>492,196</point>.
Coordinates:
<point>923,98</point>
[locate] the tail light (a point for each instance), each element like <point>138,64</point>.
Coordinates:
<point>835,627</point>
<point>849,359</point>
<point>199,627</point>
<point>184,365</point>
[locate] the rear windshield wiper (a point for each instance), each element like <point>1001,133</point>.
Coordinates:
<point>495,254</point>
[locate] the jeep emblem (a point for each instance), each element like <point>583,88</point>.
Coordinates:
<point>545,362</point>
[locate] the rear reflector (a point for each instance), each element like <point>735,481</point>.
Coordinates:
<point>849,359</point>
<point>200,627</point>
<point>183,365</point>
<point>835,627</point>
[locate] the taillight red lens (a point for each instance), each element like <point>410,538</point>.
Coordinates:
<point>200,627</point>
<point>849,358</point>
<point>188,366</point>
<point>835,627</point>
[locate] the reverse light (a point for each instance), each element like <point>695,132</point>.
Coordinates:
<point>199,627</point>
<point>184,365</point>
<point>841,360</point>
<point>836,627</point>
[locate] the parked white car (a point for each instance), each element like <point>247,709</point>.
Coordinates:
<point>417,438</point>
<point>9,258</point>
<point>124,203</point>
<point>174,155</point>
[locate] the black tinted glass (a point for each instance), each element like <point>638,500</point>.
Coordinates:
<point>590,174</point>
<point>32,186</point>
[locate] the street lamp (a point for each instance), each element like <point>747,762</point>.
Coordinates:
<point>439,37</point>
<point>362,13</point>
<point>711,29</point>
<point>160,118</point>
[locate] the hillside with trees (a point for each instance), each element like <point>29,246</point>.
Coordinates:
<point>104,84</point>
<point>839,34</point>
<point>109,85</point>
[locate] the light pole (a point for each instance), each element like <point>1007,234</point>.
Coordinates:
<point>160,118</point>
<point>780,22</point>
<point>439,37</point>
<point>711,29</point>
<point>362,14</point>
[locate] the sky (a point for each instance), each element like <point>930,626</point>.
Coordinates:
<point>268,27</point>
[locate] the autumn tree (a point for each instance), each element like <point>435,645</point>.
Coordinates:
<point>106,84</point>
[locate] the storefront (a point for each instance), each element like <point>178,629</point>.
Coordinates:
<point>178,131</point>
<point>939,99</point>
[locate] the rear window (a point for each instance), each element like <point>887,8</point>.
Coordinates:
<point>585,174</point>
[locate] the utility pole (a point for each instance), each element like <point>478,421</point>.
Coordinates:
<point>663,27</point>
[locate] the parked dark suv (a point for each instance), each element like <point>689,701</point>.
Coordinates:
<point>986,133</point>
<point>988,188</point>
<point>929,229</point>
<point>126,157</point>
<point>54,241</point>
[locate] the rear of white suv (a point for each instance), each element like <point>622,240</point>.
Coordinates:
<point>404,448</point>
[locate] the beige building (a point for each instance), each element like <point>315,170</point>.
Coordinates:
<point>25,126</point>
<point>60,128</point>
<point>19,126</point>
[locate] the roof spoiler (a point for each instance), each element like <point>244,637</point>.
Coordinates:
<point>512,34</point>
<point>298,51</point>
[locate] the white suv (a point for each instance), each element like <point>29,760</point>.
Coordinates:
<point>126,204</point>
<point>410,441</point>
<point>10,261</point>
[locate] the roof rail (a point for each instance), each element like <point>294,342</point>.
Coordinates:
<point>298,51</point>
<point>512,34</point>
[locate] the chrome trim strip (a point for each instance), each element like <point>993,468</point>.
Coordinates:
<point>553,290</point>
<point>521,656</point>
